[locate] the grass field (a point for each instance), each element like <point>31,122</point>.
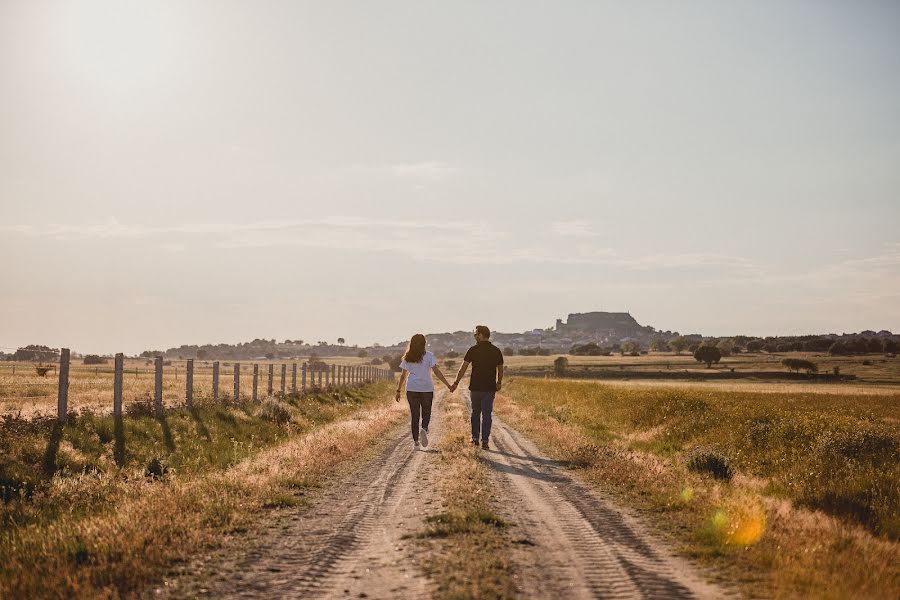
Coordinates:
<point>873,371</point>
<point>22,389</point>
<point>791,493</point>
<point>90,512</point>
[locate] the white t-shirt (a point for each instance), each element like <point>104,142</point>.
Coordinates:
<point>419,374</point>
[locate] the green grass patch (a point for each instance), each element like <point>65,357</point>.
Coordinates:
<point>457,523</point>
<point>209,437</point>
<point>836,453</point>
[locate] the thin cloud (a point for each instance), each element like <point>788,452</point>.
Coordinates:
<point>578,229</point>
<point>454,242</point>
<point>429,170</point>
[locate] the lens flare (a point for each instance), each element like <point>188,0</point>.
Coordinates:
<point>740,525</point>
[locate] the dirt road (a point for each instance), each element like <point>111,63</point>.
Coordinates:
<point>353,541</point>
<point>572,542</point>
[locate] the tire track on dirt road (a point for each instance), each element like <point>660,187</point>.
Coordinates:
<point>573,543</point>
<point>351,543</point>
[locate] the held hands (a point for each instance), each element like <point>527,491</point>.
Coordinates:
<point>454,386</point>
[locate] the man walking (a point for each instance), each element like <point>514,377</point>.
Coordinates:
<point>487,377</point>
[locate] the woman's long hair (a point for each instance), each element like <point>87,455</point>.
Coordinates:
<point>416,349</point>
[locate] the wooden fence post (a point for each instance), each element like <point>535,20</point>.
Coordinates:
<point>294,378</point>
<point>117,385</point>
<point>333,380</point>
<point>327,371</point>
<point>303,378</point>
<point>216,380</point>
<point>158,388</point>
<point>320,369</point>
<point>62,400</point>
<point>237,381</point>
<point>271,376</point>
<point>283,378</point>
<point>189,383</point>
<point>255,382</point>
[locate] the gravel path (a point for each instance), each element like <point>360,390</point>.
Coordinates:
<point>353,542</point>
<point>571,542</point>
<point>350,544</point>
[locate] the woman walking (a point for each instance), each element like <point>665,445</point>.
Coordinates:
<point>417,365</point>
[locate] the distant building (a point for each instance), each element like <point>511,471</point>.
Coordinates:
<point>608,324</point>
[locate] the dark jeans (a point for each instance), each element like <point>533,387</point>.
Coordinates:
<point>419,402</point>
<point>482,407</point>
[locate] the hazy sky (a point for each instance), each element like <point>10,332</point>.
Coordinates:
<point>212,171</point>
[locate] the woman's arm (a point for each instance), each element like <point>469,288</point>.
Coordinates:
<point>403,375</point>
<point>460,375</point>
<point>437,371</point>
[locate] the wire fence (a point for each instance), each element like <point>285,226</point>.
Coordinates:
<point>168,383</point>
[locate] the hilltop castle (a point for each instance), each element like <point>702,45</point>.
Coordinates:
<point>604,324</point>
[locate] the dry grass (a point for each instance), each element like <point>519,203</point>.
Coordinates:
<point>789,452</point>
<point>468,546</point>
<point>881,372</point>
<point>106,531</point>
<point>91,387</point>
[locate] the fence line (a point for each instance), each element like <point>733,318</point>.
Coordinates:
<point>334,376</point>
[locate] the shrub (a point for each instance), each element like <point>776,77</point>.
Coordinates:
<point>754,345</point>
<point>156,469</point>
<point>451,354</point>
<point>362,354</point>
<point>142,407</point>
<point>867,363</point>
<point>560,365</point>
<point>704,459</point>
<point>274,411</point>
<point>679,344</point>
<point>708,355</point>
<point>375,361</point>
<point>93,359</point>
<point>590,349</point>
<point>800,364</point>
<point>42,370</point>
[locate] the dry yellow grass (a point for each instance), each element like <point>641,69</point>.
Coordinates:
<point>882,371</point>
<point>137,526</point>
<point>91,387</point>
<point>757,539</point>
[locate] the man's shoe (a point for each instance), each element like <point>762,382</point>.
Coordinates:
<point>415,444</point>
<point>484,445</point>
<point>475,443</point>
<point>423,435</point>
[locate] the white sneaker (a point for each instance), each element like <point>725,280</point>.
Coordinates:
<point>424,435</point>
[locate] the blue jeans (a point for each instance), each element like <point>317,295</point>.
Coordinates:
<point>482,406</point>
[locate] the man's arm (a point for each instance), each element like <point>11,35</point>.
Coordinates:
<point>459,376</point>
<point>499,376</point>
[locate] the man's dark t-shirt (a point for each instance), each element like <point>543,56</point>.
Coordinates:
<point>485,358</point>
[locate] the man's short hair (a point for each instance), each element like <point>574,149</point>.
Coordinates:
<point>484,331</point>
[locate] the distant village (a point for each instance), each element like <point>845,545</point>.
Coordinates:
<point>601,328</point>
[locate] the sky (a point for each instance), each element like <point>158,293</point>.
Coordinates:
<point>192,171</point>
